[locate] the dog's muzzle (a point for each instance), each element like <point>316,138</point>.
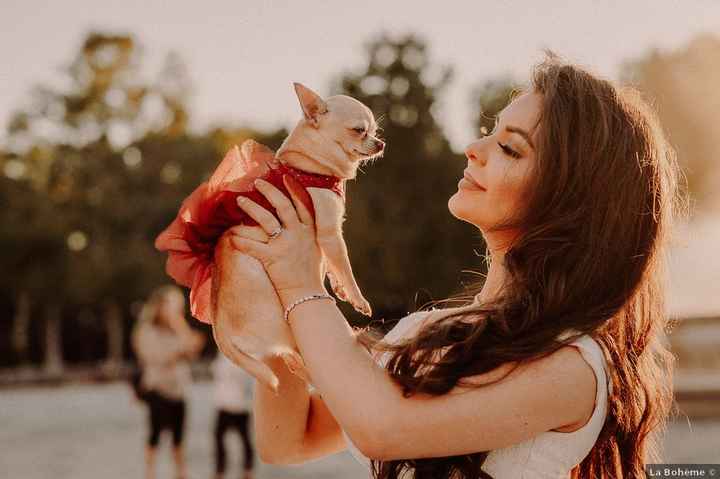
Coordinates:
<point>378,146</point>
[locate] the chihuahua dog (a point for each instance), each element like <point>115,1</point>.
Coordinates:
<point>333,138</point>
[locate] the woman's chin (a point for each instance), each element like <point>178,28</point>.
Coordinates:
<point>453,205</point>
<point>460,209</point>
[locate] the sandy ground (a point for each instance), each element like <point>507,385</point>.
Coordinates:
<point>97,431</point>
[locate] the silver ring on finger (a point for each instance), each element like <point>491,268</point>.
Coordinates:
<point>276,233</point>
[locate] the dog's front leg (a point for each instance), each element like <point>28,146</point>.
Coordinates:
<point>329,215</point>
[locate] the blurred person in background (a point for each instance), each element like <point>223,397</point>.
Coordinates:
<point>164,342</point>
<point>233,400</point>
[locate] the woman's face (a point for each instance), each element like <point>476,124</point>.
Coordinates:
<point>170,306</point>
<point>499,166</point>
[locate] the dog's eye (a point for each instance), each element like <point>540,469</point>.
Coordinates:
<point>359,130</point>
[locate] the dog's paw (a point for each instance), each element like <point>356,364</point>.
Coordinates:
<point>362,306</point>
<point>337,288</point>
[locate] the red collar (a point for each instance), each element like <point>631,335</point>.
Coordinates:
<point>316,180</point>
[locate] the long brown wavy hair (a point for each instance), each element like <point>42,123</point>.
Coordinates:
<point>589,260</point>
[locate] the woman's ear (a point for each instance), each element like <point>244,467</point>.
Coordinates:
<point>312,105</point>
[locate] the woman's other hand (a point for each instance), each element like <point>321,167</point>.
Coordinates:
<point>291,257</point>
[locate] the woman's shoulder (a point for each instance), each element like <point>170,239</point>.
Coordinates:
<point>593,353</point>
<point>404,324</point>
<point>585,356</point>
<point>413,321</point>
<point>403,328</point>
<point>590,349</point>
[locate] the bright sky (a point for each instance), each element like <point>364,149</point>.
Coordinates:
<point>244,55</point>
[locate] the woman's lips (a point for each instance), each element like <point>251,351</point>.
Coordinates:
<point>469,181</point>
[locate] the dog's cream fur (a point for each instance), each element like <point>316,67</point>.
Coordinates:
<point>333,138</point>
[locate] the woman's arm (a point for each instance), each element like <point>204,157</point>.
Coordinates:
<point>551,392</point>
<point>546,394</point>
<point>191,342</point>
<point>294,426</point>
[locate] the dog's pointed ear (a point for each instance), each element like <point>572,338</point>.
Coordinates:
<point>312,105</point>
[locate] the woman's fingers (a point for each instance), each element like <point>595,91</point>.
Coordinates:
<point>265,219</point>
<point>297,193</point>
<point>282,204</point>
<point>251,247</point>
<point>250,232</point>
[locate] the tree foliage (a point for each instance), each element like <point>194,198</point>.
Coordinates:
<point>491,97</point>
<point>96,167</point>
<point>682,85</point>
<point>97,170</point>
<point>405,246</point>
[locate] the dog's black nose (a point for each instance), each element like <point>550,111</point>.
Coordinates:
<point>379,145</point>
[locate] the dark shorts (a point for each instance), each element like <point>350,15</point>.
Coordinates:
<point>165,414</point>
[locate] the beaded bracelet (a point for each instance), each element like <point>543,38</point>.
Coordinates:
<point>304,299</point>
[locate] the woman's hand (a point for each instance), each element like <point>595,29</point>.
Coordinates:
<point>292,258</point>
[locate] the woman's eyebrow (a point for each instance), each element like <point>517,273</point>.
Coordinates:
<point>521,132</point>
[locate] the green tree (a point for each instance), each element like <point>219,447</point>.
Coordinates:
<point>86,194</point>
<point>406,247</point>
<point>106,99</point>
<point>491,97</point>
<point>103,165</point>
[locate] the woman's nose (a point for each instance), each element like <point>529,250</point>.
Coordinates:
<point>473,153</point>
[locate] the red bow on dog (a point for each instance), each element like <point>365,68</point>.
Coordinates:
<point>212,208</point>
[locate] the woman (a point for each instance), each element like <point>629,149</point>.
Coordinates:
<point>555,366</point>
<point>163,342</point>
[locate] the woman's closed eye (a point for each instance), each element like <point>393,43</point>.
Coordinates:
<point>509,151</point>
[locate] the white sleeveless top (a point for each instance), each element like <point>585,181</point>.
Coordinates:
<point>549,455</point>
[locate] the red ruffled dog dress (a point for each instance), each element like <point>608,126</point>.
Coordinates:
<point>212,208</point>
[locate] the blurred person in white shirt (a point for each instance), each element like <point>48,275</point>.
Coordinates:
<point>233,394</point>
